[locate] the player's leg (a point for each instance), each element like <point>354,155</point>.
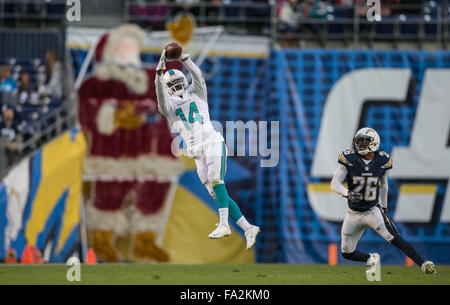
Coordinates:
<point>352,229</point>
<point>216,174</point>
<point>223,210</point>
<point>381,223</point>
<point>223,228</point>
<point>250,231</point>
<point>235,212</point>
<point>214,160</point>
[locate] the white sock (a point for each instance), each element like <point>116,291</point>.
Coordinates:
<point>223,214</point>
<point>243,223</point>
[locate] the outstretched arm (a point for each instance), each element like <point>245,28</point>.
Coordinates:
<point>197,76</point>
<point>338,177</point>
<point>161,93</point>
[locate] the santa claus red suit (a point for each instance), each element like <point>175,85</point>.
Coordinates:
<point>130,171</point>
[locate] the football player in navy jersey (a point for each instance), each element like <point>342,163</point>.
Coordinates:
<point>365,169</point>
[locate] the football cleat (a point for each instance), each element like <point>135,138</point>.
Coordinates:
<point>372,263</point>
<point>250,236</point>
<point>428,267</point>
<point>219,232</point>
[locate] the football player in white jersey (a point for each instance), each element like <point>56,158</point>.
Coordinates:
<point>186,109</point>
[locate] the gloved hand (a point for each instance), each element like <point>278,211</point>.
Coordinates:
<point>184,57</point>
<point>162,63</point>
<point>354,197</point>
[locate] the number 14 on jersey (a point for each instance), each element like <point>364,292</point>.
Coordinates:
<point>194,115</point>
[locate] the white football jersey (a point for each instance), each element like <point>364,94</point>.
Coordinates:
<point>188,114</point>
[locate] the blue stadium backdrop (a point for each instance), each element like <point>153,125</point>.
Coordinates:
<point>292,86</point>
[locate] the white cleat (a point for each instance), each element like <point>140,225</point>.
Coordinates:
<point>250,236</point>
<point>372,263</point>
<point>219,232</point>
<point>428,267</point>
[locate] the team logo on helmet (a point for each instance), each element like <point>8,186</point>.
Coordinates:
<point>175,82</point>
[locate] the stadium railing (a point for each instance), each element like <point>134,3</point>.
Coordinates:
<point>51,118</point>
<point>32,13</point>
<point>419,23</point>
<point>427,22</point>
<point>30,43</point>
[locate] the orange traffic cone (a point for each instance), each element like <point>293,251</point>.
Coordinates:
<point>409,262</point>
<point>332,254</point>
<point>11,257</point>
<point>91,259</point>
<point>27,256</point>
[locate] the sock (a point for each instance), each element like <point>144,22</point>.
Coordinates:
<point>221,195</point>
<point>222,203</point>
<point>223,214</point>
<point>235,212</point>
<point>236,215</point>
<point>243,223</point>
<point>406,248</point>
<point>356,256</point>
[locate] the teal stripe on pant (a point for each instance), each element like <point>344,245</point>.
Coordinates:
<point>222,163</point>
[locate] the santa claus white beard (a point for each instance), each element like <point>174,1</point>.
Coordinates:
<point>135,79</point>
<point>126,52</point>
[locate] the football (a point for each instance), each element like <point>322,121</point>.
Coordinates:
<point>173,50</point>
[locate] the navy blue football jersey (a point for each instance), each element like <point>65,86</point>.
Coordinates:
<point>364,178</point>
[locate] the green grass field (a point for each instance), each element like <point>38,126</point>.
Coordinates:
<point>224,274</point>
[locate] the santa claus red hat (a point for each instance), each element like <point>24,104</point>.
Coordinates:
<point>99,48</point>
<point>117,57</point>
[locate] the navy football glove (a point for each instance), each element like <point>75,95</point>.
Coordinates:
<point>354,197</point>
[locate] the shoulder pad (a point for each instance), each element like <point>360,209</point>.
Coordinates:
<point>344,157</point>
<point>386,160</point>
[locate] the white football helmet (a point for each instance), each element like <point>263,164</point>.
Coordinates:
<point>366,140</point>
<point>175,82</point>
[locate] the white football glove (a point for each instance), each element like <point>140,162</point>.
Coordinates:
<point>184,57</point>
<point>162,62</point>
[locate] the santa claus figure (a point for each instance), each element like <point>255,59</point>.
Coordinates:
<point>130,171</point>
